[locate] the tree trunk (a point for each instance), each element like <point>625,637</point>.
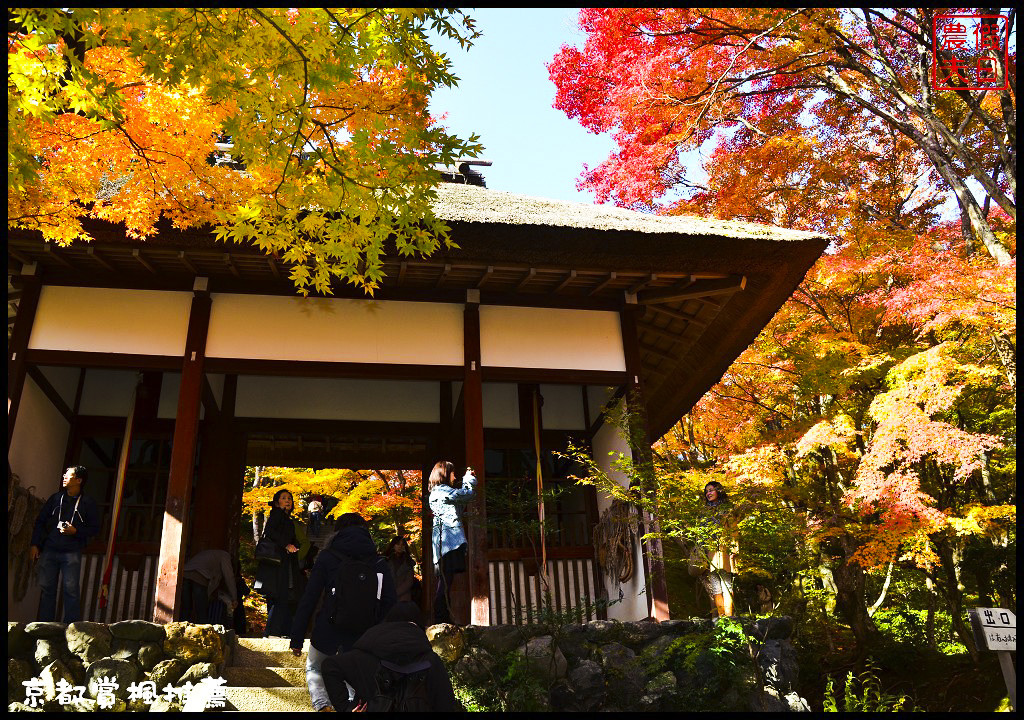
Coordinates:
<point>929,625</point>
<point>953,595</point>
<point>257,518</point>
<point>850,603</point>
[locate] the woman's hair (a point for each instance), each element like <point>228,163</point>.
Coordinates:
<point>279,493</point>
<point>346,520</point>
<point>718,488</point>
<point>389,551</point>
<point>441,474</point>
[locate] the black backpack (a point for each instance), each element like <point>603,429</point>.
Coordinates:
<point>353,601</point>
<point>401,688</point>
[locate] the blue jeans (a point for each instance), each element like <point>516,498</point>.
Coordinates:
<point>68,565</point>
<point>315,678</point>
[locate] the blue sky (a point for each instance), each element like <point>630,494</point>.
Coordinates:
<point>504,95</point>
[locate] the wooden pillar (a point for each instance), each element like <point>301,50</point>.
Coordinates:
<point>473,407</point>
<point>640,442</point>
<point>20,333</point>
<point>183,453</point>
<point>214,504</point>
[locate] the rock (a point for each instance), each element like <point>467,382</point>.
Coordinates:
<point>48,650</point>
<point>562,696</point>
<point>768,700</point>
<point>90,641</point>
<point>614,654</point>
<point>18,671</point>
<point>587,682</point>
<point>52,674</point>
<point>600,632</point>
<point>637,634</point>
<point>85,705</point>
<point>140,630</point>
<point>167,672</point>
<point>476,665</point>
<point>163,705</point>
<point>773,628</point>
<point>796,703</point>
<point>676,627</point>
<point>447,641</point>
<point>109,670</point>
<point>572,641</point>
<point>779,665</point>
<point>125,649</point>
<point>22,707</point>
<point>196,673</point>
<point>659,693</point>
<point>193,643</point>
<point>656,648</point>
<point>497,640</point>
<point>544,658</point>
<point>150,653</point>
<point>19,643</point>
<point>48,630</point>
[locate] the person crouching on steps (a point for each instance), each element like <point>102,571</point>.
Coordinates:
<point>358,591</point>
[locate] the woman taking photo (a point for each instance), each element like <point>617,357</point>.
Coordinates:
<point>448,538</point>
<point>277,581</point>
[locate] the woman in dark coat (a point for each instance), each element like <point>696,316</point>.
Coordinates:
<point>276,581</point>
<point>403,569</point>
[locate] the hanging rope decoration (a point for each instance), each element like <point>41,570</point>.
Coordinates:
<point>614,540</point>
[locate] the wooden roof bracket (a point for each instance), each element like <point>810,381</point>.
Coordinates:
<point>696,289</point>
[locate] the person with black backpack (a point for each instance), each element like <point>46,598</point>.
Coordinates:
<point>391,668</point>
<point>357,590</point>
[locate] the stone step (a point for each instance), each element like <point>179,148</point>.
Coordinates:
<point>265,677</point>
<point>264,699</point>
<point>267,653</point>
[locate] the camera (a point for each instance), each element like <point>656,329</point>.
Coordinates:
<point>63,525</point>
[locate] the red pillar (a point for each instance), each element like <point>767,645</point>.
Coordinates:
<point>473,407</point>
<point>183,453</point>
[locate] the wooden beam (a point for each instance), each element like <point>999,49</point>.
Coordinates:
<point>530,275</point>
<point>183,452</point>
<point>601,286</point>
<point>50,392</point>
<point>659,353</point>
<point>401,272</point>
<point>231,265</point>
<point>641,284</point>
<point>273,267</point>
<point>697,289</point>
<point>51,251</point>
<point>137,254</point>
<point>488,273</point>
<point>183,259</point>
<point>661,332</point>
<point>473,407</point>
<point>692,319</point>
<point>19,256</point>
<point>568,278</point>
<point>17,348</point>
<point>444,274</point>
<point>94,254</point>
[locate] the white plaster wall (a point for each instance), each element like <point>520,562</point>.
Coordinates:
<point>563,407</point>
<point>338,399</point>
<point>597,397</point>
<point>634,600</point>
<point>146,322</point>
<point>501,405</point>
<point>36,456</point>
<point>64,380</point>
<point>335,330</point>
<point>550,338</point>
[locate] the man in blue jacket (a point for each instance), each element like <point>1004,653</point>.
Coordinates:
<point>351,542</point>
<point>65,524</point>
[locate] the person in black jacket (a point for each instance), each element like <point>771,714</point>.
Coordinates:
<point>352,540</point>
<point>65,524</point>
<point>276,581</point>
<point>401,644</point>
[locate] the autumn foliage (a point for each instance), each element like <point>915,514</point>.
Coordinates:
<point>878,405</point>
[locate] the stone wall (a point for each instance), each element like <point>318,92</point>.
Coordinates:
<point>607,665</point>
<point>131,652</point>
